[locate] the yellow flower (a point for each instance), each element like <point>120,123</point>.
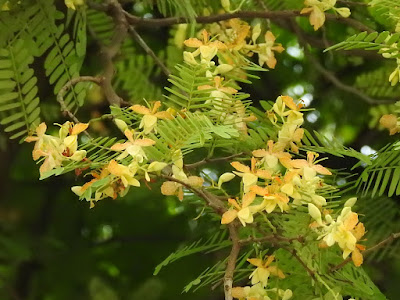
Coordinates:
<point>73,3</point>
<point>125,173</point>
<point>390,122</point>
<point>133,147</point>
<point>249,175</point>
<point>270,158</point>
<point>317,10</point>
<point>206,48</point>
<point>244,212</point>
<point>308,167</point>
<point>150,117</point>
<point>266,50</point>
<point>264,270</point>
<point>272,198</point>
<point>346,231</point>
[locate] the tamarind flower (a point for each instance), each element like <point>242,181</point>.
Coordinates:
<point>125,173</point>
<point>133,146</point>
<point>69,135</point>
<point>206,48</point>
<point>264,270</point>
<point>317,10</point>
<point>390,122</point>
<point>243,212</point>
<point>150,116</point>
<point>272,157</point>
<point>257,292</point>
<point>266,50</point>
<point>308,167</point>
<point>346,231</point>
<point>272,198</point>
<point>249,175</point>
<point>172,188</point>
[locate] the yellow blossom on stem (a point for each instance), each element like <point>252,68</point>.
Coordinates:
<point>308,167</point>
<point>243,212</point>
<point>266,50</point>
<point>151,116</point>
<point>125,173</point>
<point>264,270</point>
<point>133,146</point>
<point>206,48</point>
<point>272,198</point>
<point>249,175</point>
<point>272,157</point>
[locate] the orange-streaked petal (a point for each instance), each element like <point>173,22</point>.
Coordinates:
<point>228,216</point>
<point>140,109</point>
<point>322,170</point>
<point>78,128</point>
<point>193,43</point>
<point>240,167</point>
<point>357,257</point>
<point>269,37</point>
<point>164,115</point>
<point>234,203</point>
<point>256,262</point>
<point>119,146</point>
<point>248,199</point>
<point>144,142</point>
<point>259,190</point>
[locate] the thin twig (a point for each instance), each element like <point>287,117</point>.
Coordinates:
<point>210,199</point>
<point>295,255</point>
<point>148,50</point>
<point>274,239</point>
<point>212,160</point>
<point>283,14</point>
<point>331,76</point>
<point>114,10</point>
<point>351,3</point>
<point>67,87</point>
<point>382,243</point>
<point>231,264</point>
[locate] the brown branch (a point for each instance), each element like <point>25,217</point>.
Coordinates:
<point>231,264</point>
<point>283,14</point>
<point>274,239</point>
<point>148,50</point>
<point>295,255</point>
<point>331,76</point>
<point>114,10</point>
<point>211,160</point>
<point>211,200</point>
<point>67,87</point>
<point>382,243</point>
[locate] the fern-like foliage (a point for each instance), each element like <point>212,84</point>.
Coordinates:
<point>185,92</point>
<point>383,175</point>
<point>321,144</point>
<point>35,29</point>
<point>386,12</point>
<point>374,41</point>
<point>216,242</point>
<point>386,220</point>
<point>375,83</point>
<point>134,76</point>
<point>19,102</point>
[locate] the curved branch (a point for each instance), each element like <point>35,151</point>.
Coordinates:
<point>283,14</point>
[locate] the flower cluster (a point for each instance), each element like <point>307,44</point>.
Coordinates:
<point>57,150</point>
<point>259,280</point>
<point>317,8</point>
<point>285,182</point>
<point>232,36</point>
<point>346,230</point>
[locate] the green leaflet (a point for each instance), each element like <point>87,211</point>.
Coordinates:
<point>19,102</point>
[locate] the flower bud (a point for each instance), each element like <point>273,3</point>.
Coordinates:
<point>350,202</point>
<point>256,32</point>
<point>225,178</point>
<point>343,11</point>
<point>121,124</point>
<point>226,4</point>
<point>315,213</point>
